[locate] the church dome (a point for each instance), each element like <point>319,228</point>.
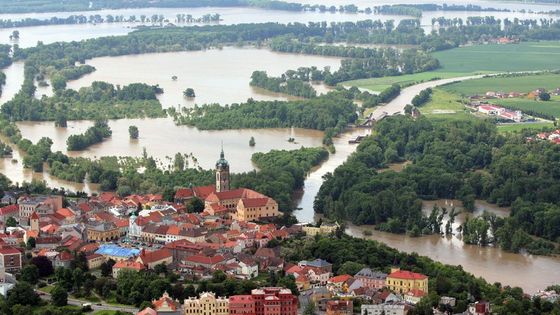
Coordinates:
<point>222,162</point>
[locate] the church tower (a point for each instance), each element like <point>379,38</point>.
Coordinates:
<point>222,173</point>
<point>34,222</point>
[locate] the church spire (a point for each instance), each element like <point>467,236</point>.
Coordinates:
<point>222,172</point>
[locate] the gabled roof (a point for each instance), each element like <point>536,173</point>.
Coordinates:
<point>254,202</point>
<point>9,209</point>
<point>154,256</point>
<point>206,260</point>
<point>340,278</point>
<point>407,275</point>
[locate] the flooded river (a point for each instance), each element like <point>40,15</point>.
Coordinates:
<point>217,75</point>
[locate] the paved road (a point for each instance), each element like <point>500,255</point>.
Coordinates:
<point>94,306</point>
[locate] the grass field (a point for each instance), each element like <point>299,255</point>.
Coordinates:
<point>464,61</point>
<point>522,84</point>
<point>444,105</point>
<point>551,107</point>
<point>518,127</point>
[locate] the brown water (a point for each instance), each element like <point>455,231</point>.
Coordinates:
<point>162,138</point>
<point>217,75</point>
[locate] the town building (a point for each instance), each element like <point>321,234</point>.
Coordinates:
<point>10,259</point>
<point>371,279</point>
<point>166,305</point>
<point>403,281</point>
<point>117,253</point>
<point>274,301</point>
<point>323,229</point>
<point>150,259</point>
<point>206,304</point>
<point>242,204</point>
<point>241,305</point>
<point>340,307</point>
<point>103,231</point>
<point>126,265</point>
<point>397,308</point>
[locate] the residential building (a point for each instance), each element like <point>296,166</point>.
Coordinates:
<point>7,282</point>
<point>371,279</point>
<point>10,259</point>
<point>126,265</point>
<point>414,296</point>
<point>340,307</point>
<point>397,308</point>
<point>150,259</point>
<point>9,211</point>
<point>274,301</point>
<point>206,304</point>
<point>402,281</point>
<point>166,305</point>
<point>242,305</point>
<point>95,261</point>
<point>323,229</point>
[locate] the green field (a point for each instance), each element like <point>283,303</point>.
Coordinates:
<point>444,105</point>
<point>518,127</point>
<point>463,61</point>
<point>551,107</point>
<point>521,84</point>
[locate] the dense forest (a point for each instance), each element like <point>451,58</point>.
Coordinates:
<point>349,254</point>
<point>462,160</point>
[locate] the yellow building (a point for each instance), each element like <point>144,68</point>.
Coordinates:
<point>324,229</point>
<point>403,281</point>
<point>256,208</point>
<point>103,231</point>
<point>207,304</point>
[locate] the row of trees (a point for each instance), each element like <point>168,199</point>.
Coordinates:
<point>463,160</point>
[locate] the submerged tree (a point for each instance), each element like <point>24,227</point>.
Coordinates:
<point>133,132</point>
<point>189,92</point>
<point>252,141</point>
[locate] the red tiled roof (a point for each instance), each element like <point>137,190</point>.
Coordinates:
<point>255,202</point>
<point>184,193</point>
<point>88,248</point>
<point>93,256</point>
<point>9,209</point>
<point>339,279</point>
<point>154,256</point>
<point>34,216</point>
<point>408,275</point>
<point>9,250</point>
<point>128,264</point>
<point>416,293</point>
<point>65,212</point>
<point>163,301</point>
<point>207,260</point>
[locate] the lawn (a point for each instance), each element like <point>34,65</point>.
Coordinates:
<point>444,105</point>
<point>47,289</point>
<point>469,60</point>
<point>521,84</point>
<point>518,127</point>
<point>551,107</point>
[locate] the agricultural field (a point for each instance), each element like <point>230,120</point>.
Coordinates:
<point>537,126</point>
<point>444,105</point>
<point>521,84</point>
<point>478,59</point>
<point>551,107</point>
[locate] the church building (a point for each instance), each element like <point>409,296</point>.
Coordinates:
<point>242,204</point>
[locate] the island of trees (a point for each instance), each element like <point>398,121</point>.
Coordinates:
<point>95,134</point>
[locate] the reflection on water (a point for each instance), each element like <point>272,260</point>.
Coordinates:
<point>217,75</point>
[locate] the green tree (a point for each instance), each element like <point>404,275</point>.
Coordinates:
<point>189,92</point>
<point>544,96</point>
<point>252,142</point>
<point>22,293</point>
<point>30,273</point>
<point>30,243</point>
<point>44,266</point>
<point>195,205</point>
<point>11,222</point>
<point>133,132</point>
<point>310,308</point>
<point>59,296</point>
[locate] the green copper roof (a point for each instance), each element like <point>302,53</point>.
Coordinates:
<point>222,162</point>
